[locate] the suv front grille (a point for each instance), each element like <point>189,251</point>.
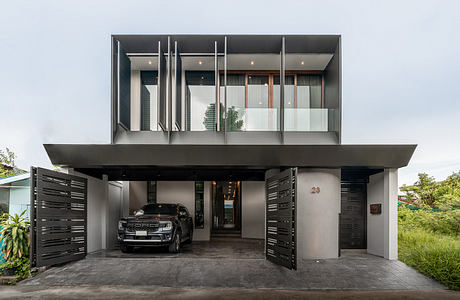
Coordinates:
<point>142,226</point>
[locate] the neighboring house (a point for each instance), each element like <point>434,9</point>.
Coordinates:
<point>268,164</point>
<point>15,194</point>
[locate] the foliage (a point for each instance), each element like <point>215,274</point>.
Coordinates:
<point>435,255</point>
<point>22,266</point>
<point>15,238</point>
<point>427,192</point>
<point>233,123</point>
<point>7,164</point>
<point>443,222</point>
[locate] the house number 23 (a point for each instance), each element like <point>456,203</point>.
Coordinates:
<point>315,190</point>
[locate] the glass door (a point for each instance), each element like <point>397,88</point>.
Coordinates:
<point>226,206</point>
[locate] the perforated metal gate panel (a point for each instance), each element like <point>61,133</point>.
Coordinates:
<point>58,217</point>
<point>280,242</point>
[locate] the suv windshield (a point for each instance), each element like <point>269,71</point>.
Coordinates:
<point>167,209</point>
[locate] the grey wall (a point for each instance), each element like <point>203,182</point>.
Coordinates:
<point>253,209</point>
<point>97,211</point>
<point>317,213</point>
<point>115,212</point>
<point>184,192</point>
<point>333,90</point>
<point>137,195</point>
<point>375,223</point>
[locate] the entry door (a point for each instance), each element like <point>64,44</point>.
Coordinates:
<point>280,215</point>
<point>58,208</point>
<point>353,216</point>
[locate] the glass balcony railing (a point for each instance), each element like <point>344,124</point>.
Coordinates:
<point>306,119</point>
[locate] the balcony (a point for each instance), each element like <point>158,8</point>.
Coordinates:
<point>227,85</point>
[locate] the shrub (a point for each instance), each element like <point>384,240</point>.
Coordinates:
<point>15,238</point>
<point>22,266</point>
<point>435,255</point>
<point>444,222</point>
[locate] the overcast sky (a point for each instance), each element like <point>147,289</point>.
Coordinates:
<point>401,67</point>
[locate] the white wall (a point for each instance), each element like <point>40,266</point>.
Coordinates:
<point>135,109</point>
<point>390,211</point>
<point>253,209</point>
<point>382,230</point>
<point>19,197</point>
<point>184,192</point>
<point>375,223</point>
<point>317,213</point>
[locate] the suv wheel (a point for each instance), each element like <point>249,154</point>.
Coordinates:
<point>175,245</point>
<point>126,249</point>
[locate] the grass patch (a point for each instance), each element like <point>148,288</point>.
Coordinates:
<point>433,254</point>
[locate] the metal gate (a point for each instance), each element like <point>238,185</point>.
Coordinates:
<point>58,207</point>
<point>280,242</point>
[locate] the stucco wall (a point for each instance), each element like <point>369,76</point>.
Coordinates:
<point>184,192</point>
<point>317,213</point>
<point>253,209</point>
<point>375,223</point>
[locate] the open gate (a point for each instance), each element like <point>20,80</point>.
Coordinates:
<point>280,242</point>
<point>58,217</point>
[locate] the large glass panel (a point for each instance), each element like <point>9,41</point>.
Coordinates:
<point>307,114</point>
<point>289,93</point>
<point>144,93</point>
<point>200,100</point>
<point>235,101</point>
<point>149,104</point>
<point>252,103</point>
<point>260,114</point>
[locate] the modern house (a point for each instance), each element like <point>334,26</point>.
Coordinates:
<point>245,131</point>
<point>15,194</point>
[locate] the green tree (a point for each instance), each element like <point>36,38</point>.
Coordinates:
<point>7,164</point>
<point>426,191</point>
<point>233,124</point>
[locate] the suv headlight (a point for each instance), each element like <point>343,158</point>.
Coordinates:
<point>165,225</point>
<point>121,225</point>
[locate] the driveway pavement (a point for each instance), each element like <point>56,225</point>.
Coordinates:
<point>236,265</point>
<point>205,293</point>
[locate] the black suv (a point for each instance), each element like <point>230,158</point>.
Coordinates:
<point>156,225</point>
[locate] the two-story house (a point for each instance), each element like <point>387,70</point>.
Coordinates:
<point>245,131</point>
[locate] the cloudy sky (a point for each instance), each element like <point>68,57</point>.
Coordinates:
<point>401,67</point>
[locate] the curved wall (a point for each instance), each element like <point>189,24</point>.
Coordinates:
<point>317,213</point>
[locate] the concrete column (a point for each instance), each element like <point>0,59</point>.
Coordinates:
<point>390,212</point>
<point>318,213</point>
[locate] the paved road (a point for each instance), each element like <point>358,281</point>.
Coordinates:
<point>155,292</point>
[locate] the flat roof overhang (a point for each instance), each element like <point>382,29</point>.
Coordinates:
<point>113,159</point>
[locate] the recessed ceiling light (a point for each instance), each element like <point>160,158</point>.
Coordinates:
<point>252,62</point>
<point>202,77</point>
<point>265,84</point>
<point>289,102</point>
<point>260,103</point>
<point>302,62</point>
<point>150,62</point>
<point>200,62</point>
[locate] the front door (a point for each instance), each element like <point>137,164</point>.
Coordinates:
<point>353,233</point>
<point>280,216</point>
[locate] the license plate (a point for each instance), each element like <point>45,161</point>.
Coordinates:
<point>141,233</point>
